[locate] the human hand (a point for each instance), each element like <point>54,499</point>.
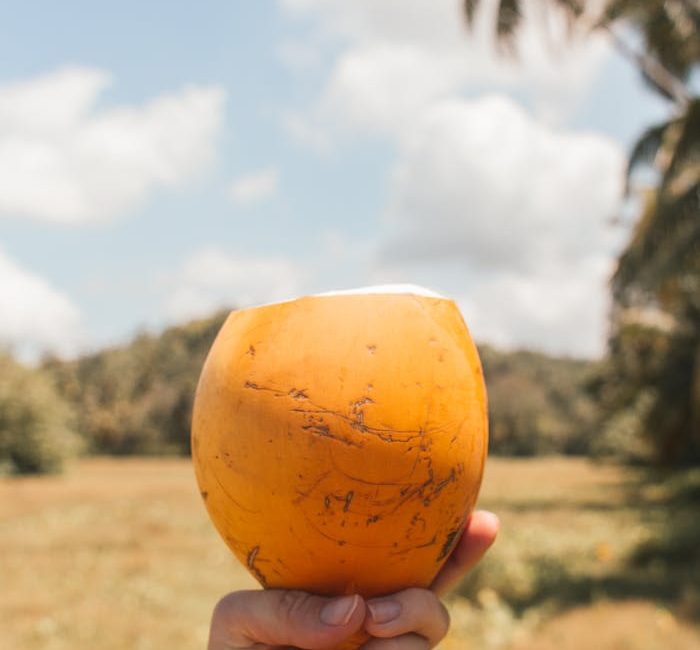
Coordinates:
<point>412,619</point>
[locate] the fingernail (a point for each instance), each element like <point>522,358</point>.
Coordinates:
<point>491,517</point>
<point>490,520</point>
<point>383,611</point>
<point>339,611</point>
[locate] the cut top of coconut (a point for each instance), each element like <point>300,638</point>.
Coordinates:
<point>413,289</point>
<point>379,289</point>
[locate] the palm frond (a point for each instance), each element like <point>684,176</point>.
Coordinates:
<point>508,21</point>
<point>646,148</point>
<point>686,150</point>
<point>576,8</point>
<point>670,45</point>
<point>628,9</point>
<point>665,43</point>
<point>470,8</point>
<point>664,248</point>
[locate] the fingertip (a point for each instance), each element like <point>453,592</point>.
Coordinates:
<point>485,524</point>
<point>342,619</point>
<point>340,612</point>
<point>411,611</point>
<point>479,534</point>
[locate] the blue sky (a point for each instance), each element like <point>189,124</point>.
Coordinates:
<point>159,161</point>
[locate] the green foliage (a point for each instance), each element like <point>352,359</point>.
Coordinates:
<point>36,424</point>
<point>650,391</point>
<point>633,534</point>
<point>137,399</point>
<point>667,32</point>
<point>668,29</point>
<point>538,404</point>
<point>662,260</point>
<point>655,342</point>
<point>650,388</point>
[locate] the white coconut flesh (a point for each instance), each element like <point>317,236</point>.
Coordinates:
<point>379,289</point>
<point>412,289</point>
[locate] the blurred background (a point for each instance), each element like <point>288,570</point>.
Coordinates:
<point>538,161</point>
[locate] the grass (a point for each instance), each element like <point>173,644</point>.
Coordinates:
<point>120,553</point>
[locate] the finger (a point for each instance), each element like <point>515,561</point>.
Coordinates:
<point>284,618</point>
<point>403,642</point>
<point>479,534</point>
<point>416,611</point>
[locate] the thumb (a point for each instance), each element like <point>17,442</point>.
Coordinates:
<point>277,617</point>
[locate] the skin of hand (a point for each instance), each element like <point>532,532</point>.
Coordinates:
<point>412,619</point>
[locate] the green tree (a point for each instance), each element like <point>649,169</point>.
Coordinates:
<point>137,399</point>
<point>537,404</point>
<point>36,424</point>
<point>651,388</point>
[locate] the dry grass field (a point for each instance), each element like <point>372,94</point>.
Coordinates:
<point>119,554</point>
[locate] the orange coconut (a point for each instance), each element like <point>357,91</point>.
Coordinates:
<point>339,440</point>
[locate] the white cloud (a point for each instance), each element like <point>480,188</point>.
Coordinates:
<point>382,88</point>
<point>397,57</point>
<point>519,213</point>
<point>485,182</point>
<point>254,187</point>
<point>35,317</point>
<point>212,279</point>
<point>498,207</point>
<point>560,310</point>
<point>63,158</point>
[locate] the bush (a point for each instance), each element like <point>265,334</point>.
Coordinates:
<point>538,404</point>
<point>137,398</point>
<point>36,424</point>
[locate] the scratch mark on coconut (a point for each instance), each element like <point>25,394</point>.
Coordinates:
<point>405,491</point>
<point>355,419</point>
<point>358,414</point>
<point>426,544</point>
<point>341,541</point>
<point>348,500</point>
<point>250,561</point>
<point>421,491</point>
<point>304,494</point>
<point>364,481</point>
<point>439,487</point>
<point>418,519</point>
<point>324,431</point>
<point>385,434</point>
<point>416,490</point>
<point>231,498</point>
<point>407,549</point>
<point>449,544</point>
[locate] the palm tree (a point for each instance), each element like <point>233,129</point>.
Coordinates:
<point>654,346</point>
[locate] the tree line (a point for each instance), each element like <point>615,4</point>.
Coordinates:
<point>649,391</point>
<point>137,399</point>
